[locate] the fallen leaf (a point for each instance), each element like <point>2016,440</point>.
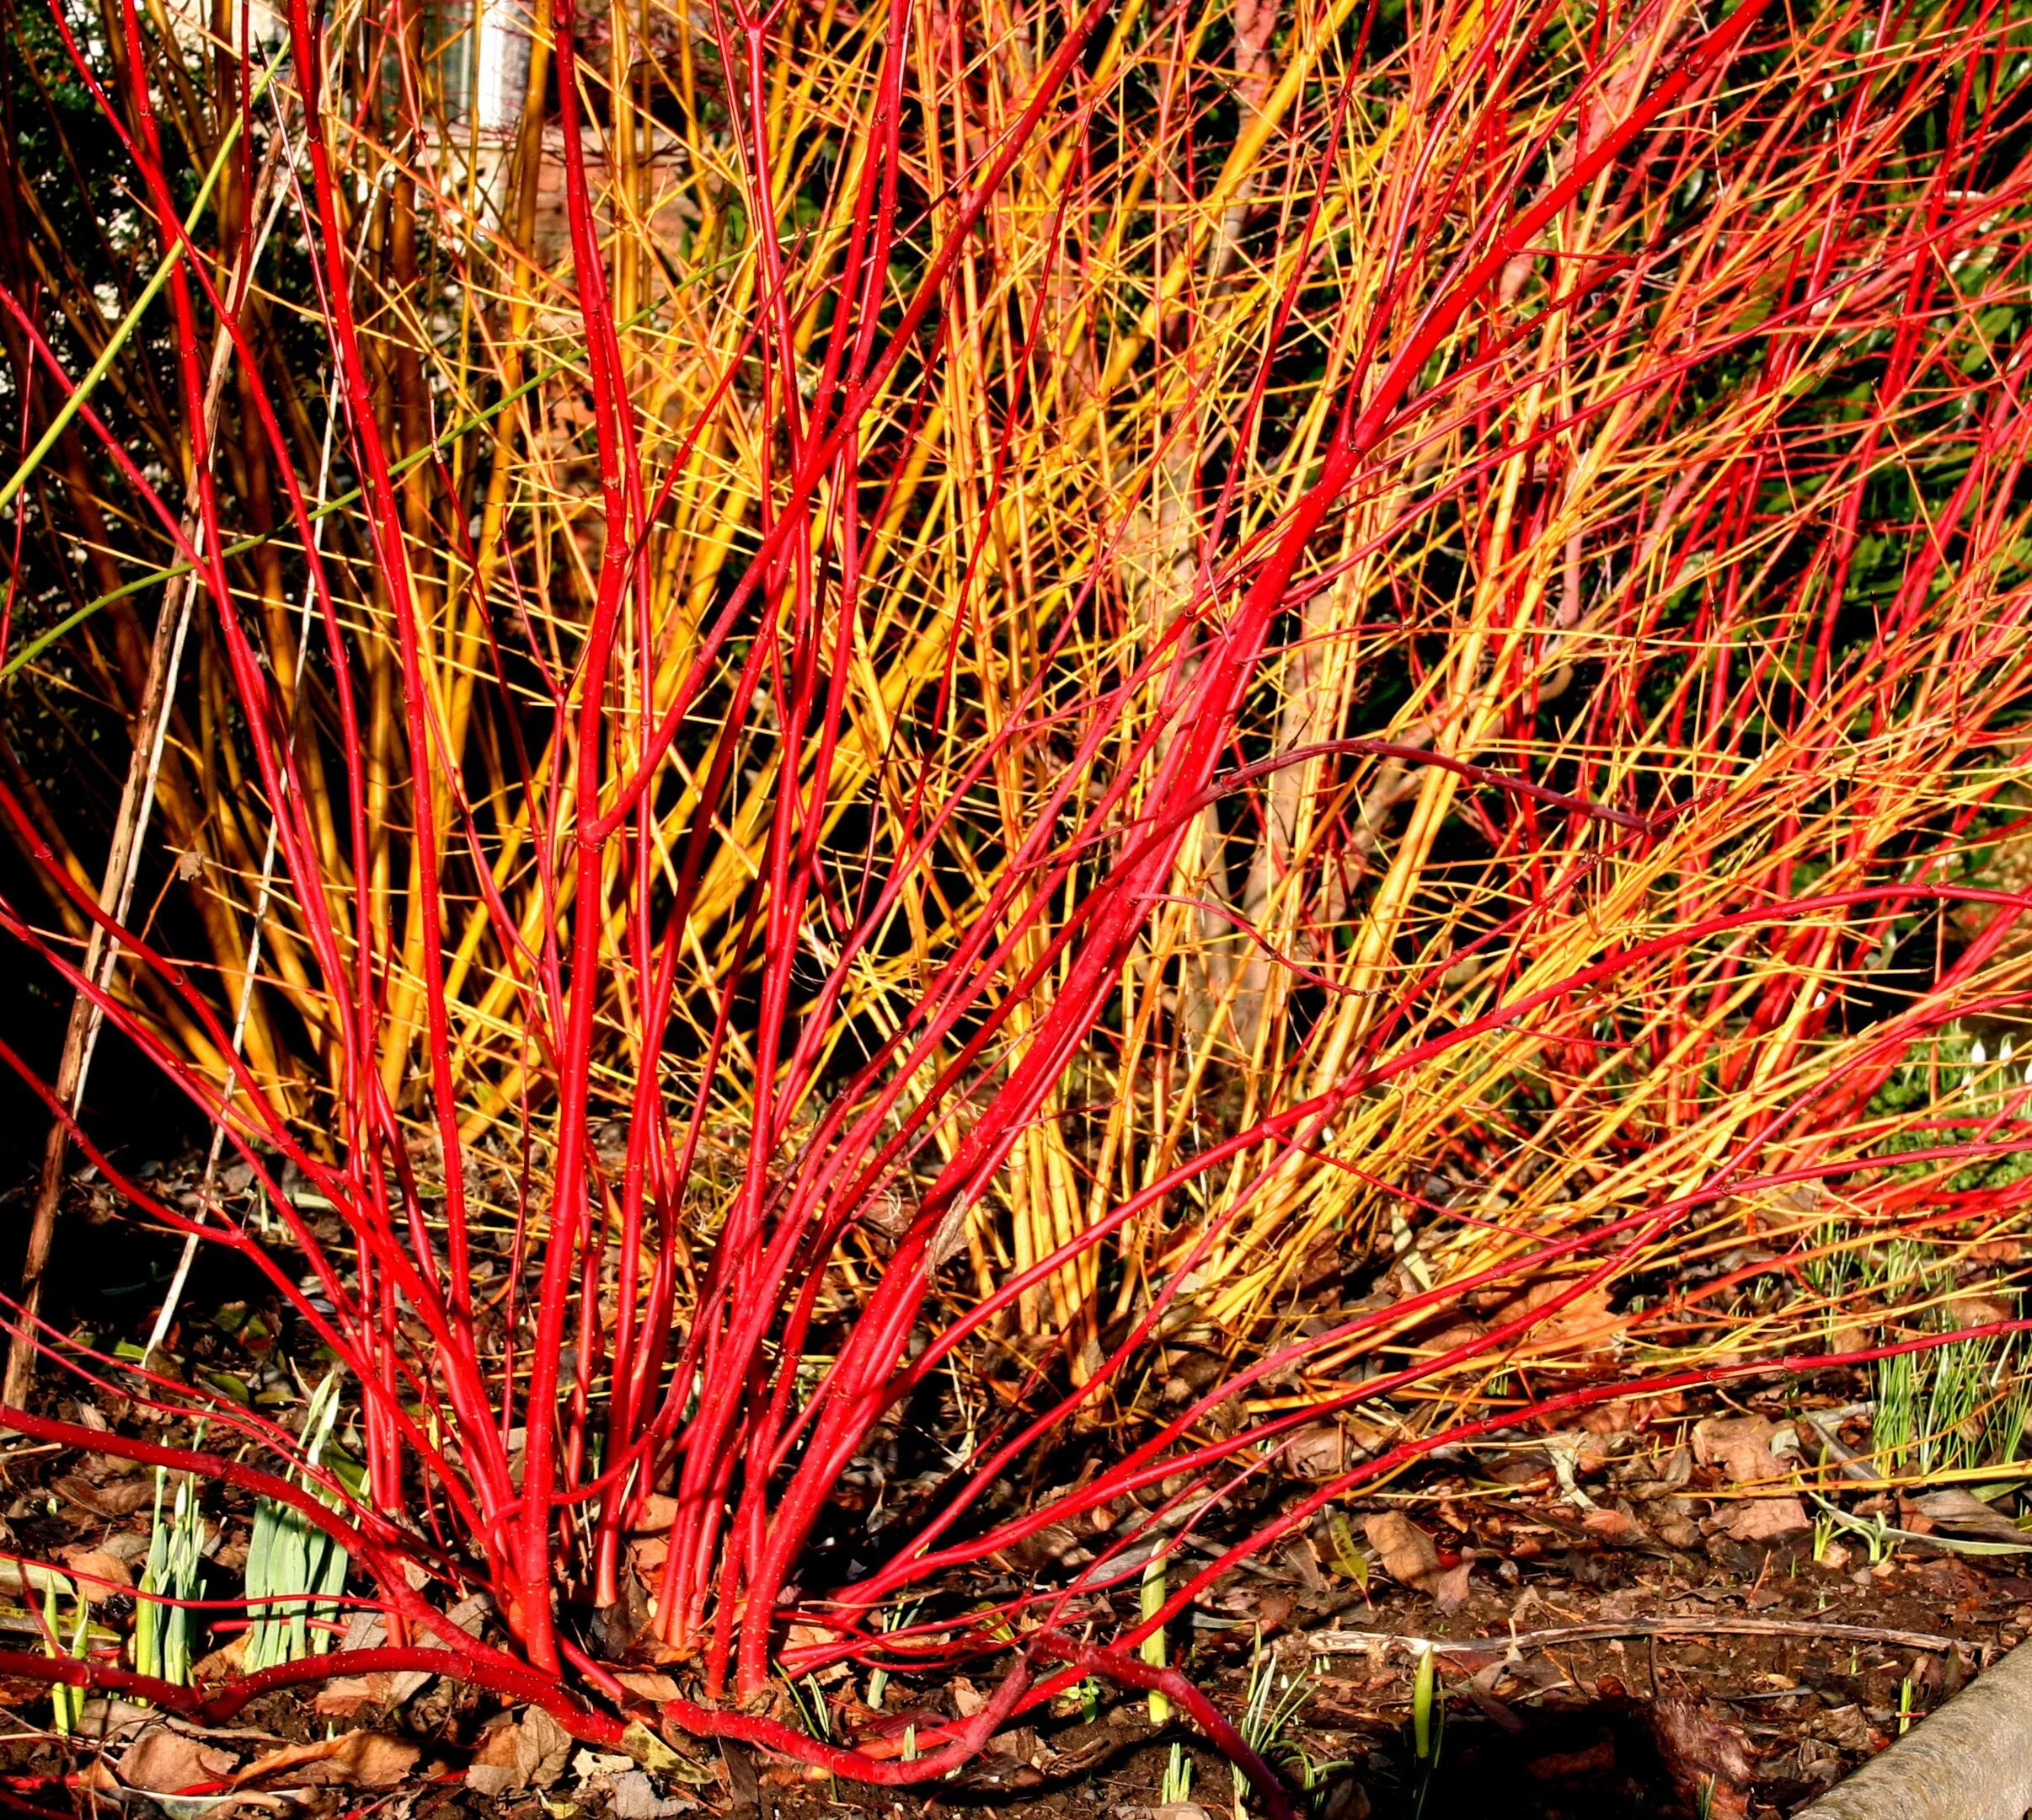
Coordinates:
<point>1963,1514</point>
<point>1322,1449</point>
<point>1452,1338</point>
<point>1608,1418</point>
<point>222,1664</point>
<point>357,1760</point>
<point>1025,1745</point>
<point>659,1757</point>
<point>590,1764</point>
<point>1741,1445</point>
<point>1410,1558</point>
<point>1765,1519</point>
<point>492,1772</point>
<point>343,1698</point>
<point>743,1785</point>
<point>1677,1530</point>
<point>1407,1553</point>
<point>1583,1327</point>
<point>1977,1311</point>
<point>1450,1591</point>
<point>1844,1727</point>
<point>633,1796</point>
<point>542,1746</point>
<point>967,1699</point>
<point>616,1629</point>
<point>1612,1527</point>
<point>658,1513</point>
<point>170,1763</point>
<point>658,1687</point>
<point>1057,1543</point>
<point>121,1498</point>
<point>368,1631</point>
<point>102,1575</point>
<point>1318,1450</point>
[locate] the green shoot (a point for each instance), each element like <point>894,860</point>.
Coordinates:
<point>1428,1718</point>
<point>1266,1714</point>
<point>295,1571</point>
<point>1152,1603</point>
<point>67,1704</point>
<point>163,1633</point>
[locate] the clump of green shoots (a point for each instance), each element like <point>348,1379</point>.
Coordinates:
<point>1267,1713</point>
<point>67,1704</point>
<point>295,1571</point>
<point>1954,1408</point>
<point>808,1697</point>
<point>163,1632</point>
<point>892,1619</point>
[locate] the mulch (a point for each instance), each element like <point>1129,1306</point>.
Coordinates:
<point>1581,1677</point>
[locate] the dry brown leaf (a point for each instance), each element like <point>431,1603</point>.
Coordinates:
<point>1321,1450</point>
<point>650,1687</point>
<point>1976,1310</point>
<point>1741,1445</point>
<point>378,1761</point>
<point>1765,1519</point>
<point>121,1498</point>
<point>659,1512</point>
<point>1410,1558</point>
<point>222,1664</point>
<point>541,1747</point>
<point>1058,1543</point>
<point>1583,1328</point>
<point>1450,1591</point>
<point>1963,1514</point>
<point>102,1575</point>
<point>1407,1553</point>
<point>343,1698</point>
<point>357,1759</point>
<point>1614,1418</point>
<point>171,1762</point>
<point>492,1772</point>
<point>1612,1526</point>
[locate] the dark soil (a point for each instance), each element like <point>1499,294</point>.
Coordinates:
<point>1591,1730</point>
<point>1625,1524</point>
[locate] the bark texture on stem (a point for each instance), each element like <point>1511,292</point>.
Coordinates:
<point>1971,1760</point>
